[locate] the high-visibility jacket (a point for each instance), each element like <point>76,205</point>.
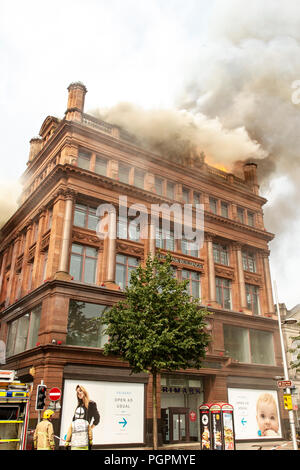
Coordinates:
<point>43,437</point>
<point>79,435</point>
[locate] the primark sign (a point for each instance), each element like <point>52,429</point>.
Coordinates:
<point>187,390</point>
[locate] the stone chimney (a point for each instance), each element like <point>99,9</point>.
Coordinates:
<point>35,146</point>
<point>250,175</point>
<point>76,97</point>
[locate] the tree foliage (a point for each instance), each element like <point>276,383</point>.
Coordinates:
<point>158,326</point>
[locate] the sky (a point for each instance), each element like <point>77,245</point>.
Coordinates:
<point>229,63</point>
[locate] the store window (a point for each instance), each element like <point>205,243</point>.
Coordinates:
<point>125,265</point>
<point>220,254</point>
<point>23,332</point>
<point>223,292</point>
<point>83,263</point>
<point>249,345</point>
<point>85,217</point>
<point>84,324</point>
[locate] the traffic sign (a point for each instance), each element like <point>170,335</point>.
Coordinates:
<point>284,383</point>
<point>54,394</point>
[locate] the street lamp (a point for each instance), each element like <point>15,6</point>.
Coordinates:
<point>285,369</point>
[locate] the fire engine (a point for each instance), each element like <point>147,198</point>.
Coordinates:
<point>14,411</point>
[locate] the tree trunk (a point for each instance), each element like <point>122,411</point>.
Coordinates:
<point>154,412</point>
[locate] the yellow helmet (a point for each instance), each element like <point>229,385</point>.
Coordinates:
<point>47,414</point>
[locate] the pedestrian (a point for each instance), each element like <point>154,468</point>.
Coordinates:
<point>43,437</point>
<point>79,436</point>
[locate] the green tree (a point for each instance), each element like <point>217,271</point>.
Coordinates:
<point>158,326</point>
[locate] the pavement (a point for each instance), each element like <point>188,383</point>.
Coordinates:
<point>258,445</point>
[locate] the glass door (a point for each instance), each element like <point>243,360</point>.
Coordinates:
<point>179,424</point>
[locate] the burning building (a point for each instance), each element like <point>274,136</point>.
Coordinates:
<point>57,276</point>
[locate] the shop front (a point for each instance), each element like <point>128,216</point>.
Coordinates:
<point>181,396</point>
<point>114,402</point>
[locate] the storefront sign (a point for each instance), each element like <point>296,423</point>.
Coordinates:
<point>193,416</point>
<point>121,409</point>
<point>256,413</point>
<point>189,390</point>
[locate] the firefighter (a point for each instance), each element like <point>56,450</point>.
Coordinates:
<point>80,436</point>
<point>43,438</point>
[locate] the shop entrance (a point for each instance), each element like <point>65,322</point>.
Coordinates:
<point>181,396</point>
<point>179,424</point>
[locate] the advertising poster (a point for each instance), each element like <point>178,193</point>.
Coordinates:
<point>256,413</point>
<point>205,430</point>
<point>119,404</point>
<point>216,430</point>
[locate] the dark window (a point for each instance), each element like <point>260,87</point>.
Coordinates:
<point>84,324</point>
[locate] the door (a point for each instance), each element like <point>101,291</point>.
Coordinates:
<point>179,424</point>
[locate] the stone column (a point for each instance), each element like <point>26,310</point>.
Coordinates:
<point>152,239</point>
<point>3,265</point>
<point>268,283</point>
<point>240,276</point>
<point>211,268</point>
<point>9,300</point>
<point>63,268</point>
<point>24,270</point>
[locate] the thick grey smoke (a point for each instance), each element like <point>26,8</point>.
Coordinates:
<point>176,133</point>
<point>9,193</point>
<point>245,76</point>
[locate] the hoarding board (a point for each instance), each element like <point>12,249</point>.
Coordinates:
<point>121,409</point>
<point>256,413</point>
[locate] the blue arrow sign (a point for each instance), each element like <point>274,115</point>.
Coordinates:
<point>124,422</point>
<point>243,421</point>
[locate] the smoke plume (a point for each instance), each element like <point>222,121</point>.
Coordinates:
<point>9,193</point>
<point>175,133</point>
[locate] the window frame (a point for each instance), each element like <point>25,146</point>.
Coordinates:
<point>83,257</point>
<point>221,288</point>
